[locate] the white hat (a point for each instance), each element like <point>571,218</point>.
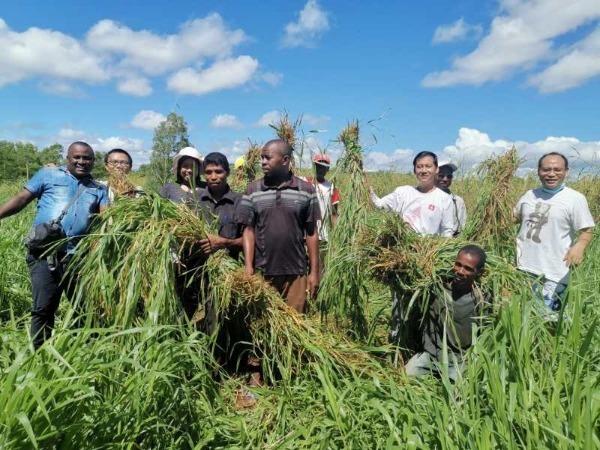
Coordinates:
<point>190,152</point>
<point>452,166</point>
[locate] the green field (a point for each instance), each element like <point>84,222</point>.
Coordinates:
<point>155,384</point>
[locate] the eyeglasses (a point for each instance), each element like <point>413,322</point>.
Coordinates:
<point>118,163</point>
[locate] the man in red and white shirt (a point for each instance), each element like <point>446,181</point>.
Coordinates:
<point>327,194</point>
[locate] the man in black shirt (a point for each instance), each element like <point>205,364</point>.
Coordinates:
<point>449,327</point>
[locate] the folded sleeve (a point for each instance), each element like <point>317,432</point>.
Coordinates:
<point>37,183</point>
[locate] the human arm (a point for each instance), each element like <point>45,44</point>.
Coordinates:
<point>390,202</point>
<point>448,225</point>
<point>312,245</point>
<point>213,242</point>
<point>16,203</point>
<point>248,246</point>
<point>575,254</point>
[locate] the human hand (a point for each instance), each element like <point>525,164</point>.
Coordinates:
<point>212,243</point>
<point>574,255</point>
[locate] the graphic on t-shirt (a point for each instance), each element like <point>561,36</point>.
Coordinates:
<point>537,220</point>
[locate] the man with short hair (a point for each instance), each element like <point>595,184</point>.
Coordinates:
<point>279,212</point>
<point>550,216</point>
<point>450,320</point>
<point>444,181</point>
<point>70,194</point>
<point>118,163</point>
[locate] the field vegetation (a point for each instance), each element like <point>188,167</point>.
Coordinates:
<point>139,375</point>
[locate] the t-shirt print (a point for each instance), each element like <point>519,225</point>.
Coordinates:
<point>536,221</point>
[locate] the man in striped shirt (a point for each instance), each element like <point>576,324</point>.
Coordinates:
<point>280,214</point>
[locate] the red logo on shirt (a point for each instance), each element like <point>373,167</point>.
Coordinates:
<point>431,207</point>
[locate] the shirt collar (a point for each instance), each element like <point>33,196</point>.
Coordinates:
<point>228,196</point>
<point>290,183</point>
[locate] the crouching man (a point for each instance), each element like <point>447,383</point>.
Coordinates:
<point>450,319</point>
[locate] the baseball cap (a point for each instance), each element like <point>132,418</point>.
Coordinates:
<point>448,164</point>
<point>322,159</point>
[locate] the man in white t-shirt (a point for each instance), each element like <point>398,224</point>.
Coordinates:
<point>550,216</point>
<point>444,181</point>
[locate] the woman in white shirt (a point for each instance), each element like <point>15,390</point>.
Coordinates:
<point>426,208</point>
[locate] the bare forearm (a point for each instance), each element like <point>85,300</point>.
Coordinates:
<point>15,204</point>
<point>236,243</point>
<point>248,243</point>
<point>312,244</point>
<point>585,237</point>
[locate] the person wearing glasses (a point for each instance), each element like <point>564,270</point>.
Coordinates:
<point>444,181</point>
<point>118,163</point>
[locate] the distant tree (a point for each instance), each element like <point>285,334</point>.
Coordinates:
<point>99,170</point>
<point>18,160</point>
<point>170,136</point>
<point>51,155</point>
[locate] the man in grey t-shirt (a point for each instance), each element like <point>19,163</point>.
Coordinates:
<point>449,325</point>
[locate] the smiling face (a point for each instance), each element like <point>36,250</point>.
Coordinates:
<point>118,163</point>
<point>188,170</point>
<point>80,160</point>
<point>552,171</point>
<point>444,177</point>
<point>426,171</point>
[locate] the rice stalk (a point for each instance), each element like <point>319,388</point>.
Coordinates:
<point>249,171</point>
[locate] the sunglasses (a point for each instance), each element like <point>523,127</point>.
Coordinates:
<point>448,176</point>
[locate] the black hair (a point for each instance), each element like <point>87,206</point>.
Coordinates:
<point>287,149</point>
<point>217,159</point>
<point>198,181</point>
<point>81,143</point>
<point>477,251</point>
<point>118,150</point>
<point>423,155</point>
<point>554,154</point>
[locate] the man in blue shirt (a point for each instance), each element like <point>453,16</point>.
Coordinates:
<point>69,189</point>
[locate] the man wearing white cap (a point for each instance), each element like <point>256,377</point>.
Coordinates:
<point>187,167</point>
<point>328,195</point>
<point>444,181</point>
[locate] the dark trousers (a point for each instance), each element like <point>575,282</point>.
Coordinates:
<point>47,286</point>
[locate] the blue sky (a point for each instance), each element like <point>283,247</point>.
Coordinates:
<point>462,78</point>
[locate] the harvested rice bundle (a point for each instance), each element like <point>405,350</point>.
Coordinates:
<point>126,266</point>
<point>249,170</point>
<point>491,223</point>
<point>285,341</point>
<point>343,291</point>
<point>120,184</point>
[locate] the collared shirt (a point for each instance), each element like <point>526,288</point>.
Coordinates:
<point>454,319</point>
<point>224,209</point>
<point>54,188</point>
<point>281,216</point>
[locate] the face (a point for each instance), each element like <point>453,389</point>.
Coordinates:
<point>80,160</point>
<point>215,176</point>
<point>426,171</point>
<point>552,171</point>
<point>465,269</point>
<point>444,178</point>
<point>118,163</point>
<point>321,171</point>
<point>188,169</point>
<point>273,161</point>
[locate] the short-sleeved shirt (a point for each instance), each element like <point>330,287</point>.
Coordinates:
<point>426,213</point>
<point>460,212</point>
<point>54,188</point>
<point>548,226</point>
<point>454,319</point>
<point>225,209</point>
<point>281,216</point>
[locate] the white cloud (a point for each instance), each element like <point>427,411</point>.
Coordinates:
<point>225,121</point>
<point>398,160</point>
<point>579,64</point>
<point>312,22</point>
<point>269,118</point>
<point>519,38</point>
<point>154,54</point>
<point>40,52</point>
<point>61,88</point>
<point>455,32</point>
<point>147,119</point>
<point>233,151</point>
<point>137,86</point>
<point>272,78</point>
<point>223,74</point>
<point>315,121</point>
